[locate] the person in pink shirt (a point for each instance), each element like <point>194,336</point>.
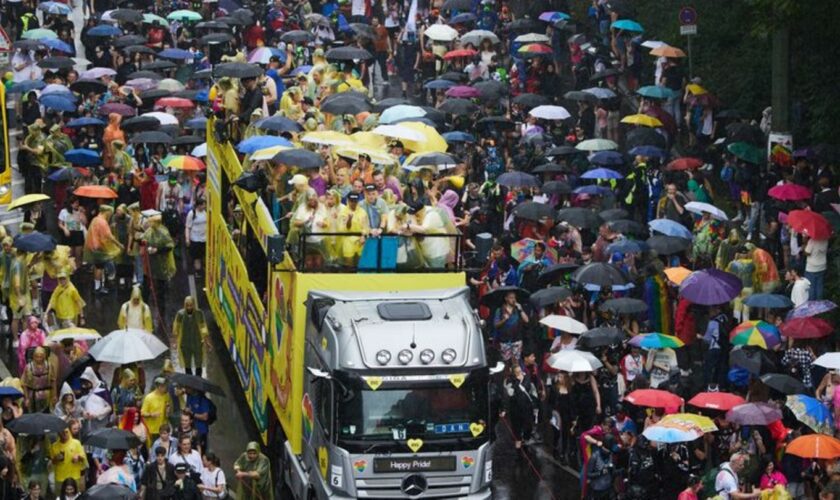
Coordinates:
<point>690,492</point>
<point>31,338</point>
<point>771,477</point>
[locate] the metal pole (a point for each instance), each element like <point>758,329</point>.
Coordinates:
<point>690,61</point>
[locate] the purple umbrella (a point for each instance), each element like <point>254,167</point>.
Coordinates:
<point>142,84</point>
<point>95,73</point>
<point>463,91</point>
<point>118,108</point>
<point>710,287</point>
<point>811,308</point>
<point>754,414</point>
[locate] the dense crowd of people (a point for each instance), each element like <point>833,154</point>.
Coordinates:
<point>654,280</point>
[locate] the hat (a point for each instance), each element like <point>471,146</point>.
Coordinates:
<point>180,467</point>
<point>160,381</point>
<point>252,446</point>
<point>370,187</point>
<point>61,274</point>
<point>353,197</point>
<point>298,180</point>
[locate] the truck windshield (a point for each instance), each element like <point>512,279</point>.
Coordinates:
<point>439,412</point>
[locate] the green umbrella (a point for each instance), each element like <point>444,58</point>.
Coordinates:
<point>747,152</point>
<point>184,15</point>
<point>38,34</point>
<point>151,18</point>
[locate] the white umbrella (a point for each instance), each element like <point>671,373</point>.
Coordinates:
<point>574,361</point>
<point>600,92</point>
<point>441,33</point>
<point>171,85</point>
<point>163,118</point>
<point>532,38</point>
<point>653,44</point>
<point>476,36</point>
<point>127,346</point>
<point>564,323</point>
<point>698,207</point>
<point>200,151</point>
<point>550,112</point>
<point>596,145</point>
<point>398,132</point>
<point>399,112</point>
<point>830,360</point>
<point>94,73</point>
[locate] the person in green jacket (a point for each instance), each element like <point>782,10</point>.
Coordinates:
<point>253,474</point>
<point>191,336</point>
<point>160,269</point>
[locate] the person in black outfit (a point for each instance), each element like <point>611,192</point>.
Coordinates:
<point>185,487</point>
<point>158,479</point>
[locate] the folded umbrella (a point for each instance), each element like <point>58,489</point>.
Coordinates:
<point>574,361</point>
<point>722,401</point>
<point>768,301</point>
<point>811,412</point>
<point>654,398</point>
<point>670,228</point>
<point>810,308</point>
<point>600,337</point>
<point>710,287</point>
<point>806,328</point>
<point>754,414</point>
<point>34,242</point>
<point>783,383</point>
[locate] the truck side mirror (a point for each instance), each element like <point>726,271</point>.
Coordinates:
<point>499,368</point>
<point>318,373</point>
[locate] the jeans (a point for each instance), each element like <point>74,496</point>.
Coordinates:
<point>138,269</point>
<point>817,280</point>
<point>711,367</point>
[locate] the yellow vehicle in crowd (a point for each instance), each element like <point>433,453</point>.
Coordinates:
<point>5,148</point>
<point>362,385</point>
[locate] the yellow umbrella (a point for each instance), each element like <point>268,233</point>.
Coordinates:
<point>74,333</point>
<point>267,153</point>
<point>677,274</point>
<point>643,120</point>
<point>27,199</point>
<point>327,138</point>
<point>696,89</point>
<point>705,424</point>
<point>432,141</point>
<point>369,140</point>
<point>377,156</point>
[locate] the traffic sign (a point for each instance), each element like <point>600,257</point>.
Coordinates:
<point>688,16</point>
<point>688,29</point>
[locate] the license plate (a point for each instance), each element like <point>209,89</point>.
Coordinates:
<point>414,464</point>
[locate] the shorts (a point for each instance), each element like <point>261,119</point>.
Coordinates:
<point>99,258</point>
<point>76,239</point>
<point>197,250</point>
<point>22,312</point>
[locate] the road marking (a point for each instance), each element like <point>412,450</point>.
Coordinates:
<point>191,281</point>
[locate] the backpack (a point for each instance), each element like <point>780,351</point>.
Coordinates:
<point>708,482</point>
<point>212,413</point>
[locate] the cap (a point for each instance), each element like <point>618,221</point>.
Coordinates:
<point>160,450</point>
<point>252,446</point>
<point>353,197</point>
<point>61,274</point>
<point>180,467</point>
<point>298,180</point>
<point>160,381</point>
<point>370,187</point>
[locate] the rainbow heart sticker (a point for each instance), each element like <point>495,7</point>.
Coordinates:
<point>360,465</point>
<point>467,461</point>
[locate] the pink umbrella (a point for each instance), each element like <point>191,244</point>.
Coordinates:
<point>95,73</point>
<point>142,84</point>
<point>118,108</point>
<point>463,91</point>
<point>790,192</point>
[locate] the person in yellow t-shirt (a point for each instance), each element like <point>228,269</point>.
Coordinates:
<point>66,302</point>
<point>68,458</point>
<point>156,407</point>
<point>352,219</point>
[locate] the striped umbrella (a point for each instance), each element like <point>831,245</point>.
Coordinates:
<point>656,341</point>
<point>757,333</point>
<point>183,162</point>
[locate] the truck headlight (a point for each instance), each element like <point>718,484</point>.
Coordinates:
<point>427,356</point>
<point>383,357</point>
<point>405,356</point>
<point>448,355</point>
<point>4,189</point>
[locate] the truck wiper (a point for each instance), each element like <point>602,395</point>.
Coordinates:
<point>377,444</point>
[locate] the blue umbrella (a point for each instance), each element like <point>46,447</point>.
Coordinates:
<point>601,173</point>
<point>517,179</point>
<point>439,84</point>
<point>55,8</point>
<point>253,144</point>
<point>85,121</point>
<point>56,44</point>
<point>592,287</point>
<point>593,190</point>
<point>627,25</point>
<point>104,30</point>
<point>27,86</point>
<point>649,151</point>
<point>202,96</point>
<point>670,228</point>
<point>401,112</point>
<point>301,69</point>
<point>458,136</point>
<point>768,300</point>
<point>670,435</point>
<point>10,392</point>
<point>811,308</point>
<point>610,158</point>
<point>64,175</point>
<point>199,123</point>
<point>811,412</point>
<point>626,246</point>
<point>83,157</point>
<point>656,92</point>
<point>466,17</point>
<point>57,103</point>
<point>175,54</point>
<point>278,124</point>
<point>600,92</point>
<point>34,242</point>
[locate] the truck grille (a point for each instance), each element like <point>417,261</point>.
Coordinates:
<point>439,486</point>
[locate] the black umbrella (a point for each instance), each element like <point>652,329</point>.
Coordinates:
<point>556,187</point>
<point>644,136</point>
<point>556,272</point>
<point>783,383</point>
<point>549,296</point>
<point>182,140</point>
<point>152,94</point>
<point>624,305</point>
<point>600,337</point>
<point>454,76</point>
<point>614,214</point>
<point>159,65</point>
<point>600,274</point>
<point>499,122</point>
<point>230,20</point>
<point>214,38</point>
<point>341,105</point>
<point>56,62</point>
<point>196,382</point>
<point>36,424</point>
<point>524,24</point>
<point>126,40</point>
<point>363,30</point>
<point>205,74</point>
<point>112,439</point>
<point>563,151</point>
<point>495,298</point>
<point>301,158</point>
<point>577,95</point>
<point>108,492</point>
<point>140,123</point>
<point>550,168</point>
<point>433,158</point>
<point>212,25</point>
<point>237,70</point>
<point>464,5</point>
<point>28,44</point>
<point>144,74</point>
<point>458,107</point>
<point>244,15</point>
<point>667,245</point>
<point>278,124</point>
<point>530,100</point>
<point>604,74</point>
<point>384,104</point>
<point>86,86</point>
<point>142,49</point>
<point>754,359</point>
<point>152,137</point>
<point>517,180</point>
<point>434,114</point>
<point>627,226</point>
<point>348,54</point>
<point>34,242</point>
<point>579,217</point>
<point>297,36</point>
<point>126,15</point>
<point>172,130</point>
<point>491,89</point>
<point>532,210</point>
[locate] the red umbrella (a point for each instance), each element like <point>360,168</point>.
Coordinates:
<point>655,398</point>
<point>94,191</point>
<point>810,224</point>
<point>454,54</point>
<point>174,102</point>
<point>806,328</point>
<point>723,401</point>
<point>686,163</point>
<point>789,192</point>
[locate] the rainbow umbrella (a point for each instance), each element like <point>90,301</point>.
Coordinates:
<point>673,433</point>
<point>811,412</point>
<point>524,248</point>
<point>183,162</point>
<point>757,333</point>
<point>656,341</point>
<point>705,424</point>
